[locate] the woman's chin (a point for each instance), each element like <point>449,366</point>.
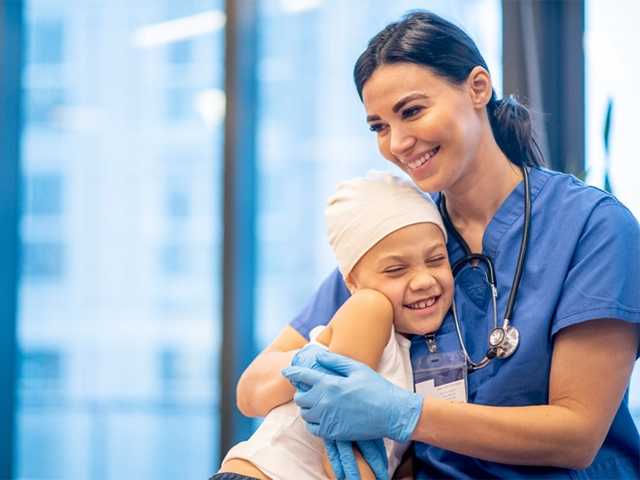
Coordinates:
<point>429,184</point>
<point>427,181</point>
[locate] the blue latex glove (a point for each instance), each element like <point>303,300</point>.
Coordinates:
<point>356,405</point>
<point>306,356</point>
<point>343,460</point>
<point>340,454</point>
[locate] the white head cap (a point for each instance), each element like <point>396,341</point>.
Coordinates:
<point>365,210</point>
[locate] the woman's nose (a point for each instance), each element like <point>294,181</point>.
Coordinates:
<point>401,142</point>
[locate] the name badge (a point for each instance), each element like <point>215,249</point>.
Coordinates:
<point>441,375</point>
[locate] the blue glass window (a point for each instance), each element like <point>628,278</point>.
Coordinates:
<point>43,260</point>
<point>46,42</point>
<point>118,323</point>
<point>44,194</point>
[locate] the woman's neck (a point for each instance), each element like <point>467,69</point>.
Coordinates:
<point>474,199</point>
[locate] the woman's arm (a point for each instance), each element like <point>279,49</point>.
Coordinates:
<point>261,386</point>
<point>590,371</point>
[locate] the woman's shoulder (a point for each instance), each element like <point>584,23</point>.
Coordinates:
<point>565,196</point>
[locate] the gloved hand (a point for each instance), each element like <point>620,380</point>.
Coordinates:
<point>343,459</point>
<point>340,454</point>
<point>357,405</point>
<point>306,356</point>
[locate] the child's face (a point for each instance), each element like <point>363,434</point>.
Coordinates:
<point>411,268</point>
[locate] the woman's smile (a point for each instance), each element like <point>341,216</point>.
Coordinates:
<point>418,165</point>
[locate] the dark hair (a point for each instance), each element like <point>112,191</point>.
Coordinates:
<point>424,38</point>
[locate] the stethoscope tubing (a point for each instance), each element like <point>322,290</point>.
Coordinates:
<point>524,247</point>
<point>492,351</point>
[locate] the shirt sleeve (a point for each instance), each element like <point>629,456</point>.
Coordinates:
<point>603,279</point>
<point>324,303</point>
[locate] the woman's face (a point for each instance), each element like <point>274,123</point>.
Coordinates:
<point>411,268</point>
<point>426,125</point>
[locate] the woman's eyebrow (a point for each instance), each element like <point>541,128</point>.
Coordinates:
<point>399,104</point>
<point>403,101</point>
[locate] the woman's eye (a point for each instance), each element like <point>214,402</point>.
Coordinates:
<point>411,111</point>
<point>376,127</point>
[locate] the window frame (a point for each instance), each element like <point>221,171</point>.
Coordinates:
<point>11,66</point>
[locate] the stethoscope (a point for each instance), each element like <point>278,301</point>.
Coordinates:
<point>504,340</point>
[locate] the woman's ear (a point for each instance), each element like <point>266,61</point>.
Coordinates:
<point>480,88</point>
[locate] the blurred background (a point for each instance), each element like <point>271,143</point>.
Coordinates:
<point>163,171</point>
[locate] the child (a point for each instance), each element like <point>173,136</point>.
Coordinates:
<point>390,244</point>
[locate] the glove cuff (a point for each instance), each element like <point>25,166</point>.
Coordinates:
<point>405,424</point>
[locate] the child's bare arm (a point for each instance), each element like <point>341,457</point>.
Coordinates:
<point>360,330</point>
<point>261,387</point>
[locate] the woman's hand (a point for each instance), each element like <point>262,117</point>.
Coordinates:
<point>354,404</point>
<point>342,456</point>
<point>340,453</point>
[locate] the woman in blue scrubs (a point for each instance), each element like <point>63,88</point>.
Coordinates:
<point>558,407</point>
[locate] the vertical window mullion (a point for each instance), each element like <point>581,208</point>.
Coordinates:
<point>240,195</point>
<point>11,63</point>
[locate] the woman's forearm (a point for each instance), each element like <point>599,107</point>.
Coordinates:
<point>262,387</point>
<point>537,435</point>
<point>587,382</point>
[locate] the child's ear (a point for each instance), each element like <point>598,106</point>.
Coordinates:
<point>350,283</point>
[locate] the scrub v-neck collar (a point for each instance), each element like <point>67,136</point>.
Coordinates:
<point>511,209</point>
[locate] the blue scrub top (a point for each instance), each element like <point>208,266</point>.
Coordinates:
<point>583,263</point>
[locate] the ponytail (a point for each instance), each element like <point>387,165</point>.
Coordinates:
<point>513,131</point>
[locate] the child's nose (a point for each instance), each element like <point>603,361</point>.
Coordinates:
<point>422,280</point>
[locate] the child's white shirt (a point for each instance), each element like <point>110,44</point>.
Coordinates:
<point>284,449</point>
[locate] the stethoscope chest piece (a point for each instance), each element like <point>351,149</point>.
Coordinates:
<point>503,342</point>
